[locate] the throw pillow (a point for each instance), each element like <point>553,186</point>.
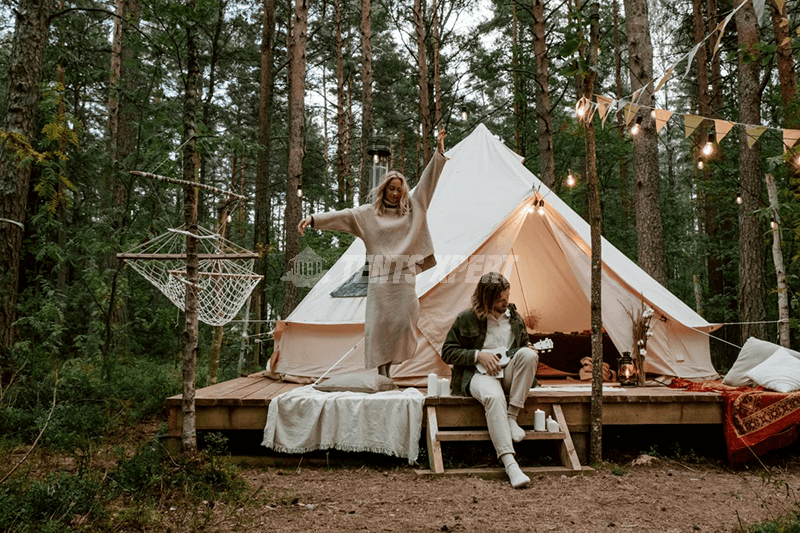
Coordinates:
<point>753,353</point>
<point>359,382</point>
<point>781,372</point>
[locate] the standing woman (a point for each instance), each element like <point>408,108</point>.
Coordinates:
<point>395,232</point>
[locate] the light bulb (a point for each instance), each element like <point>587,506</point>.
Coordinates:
<point>700,164</point>
<point>739,198</point>
<point>229,219</point>
<point>570,179</point>
<point>773,224</point>
<point>653,113</point>
<point>709,147</point>
<point>463,112</point>
<point>530,209</point>
<point>637,126</point>
<point>299,192</point>
<point>540,210</point>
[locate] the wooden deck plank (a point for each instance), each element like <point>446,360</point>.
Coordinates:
<point>270,390</point>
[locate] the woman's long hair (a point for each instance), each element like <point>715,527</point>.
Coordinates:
<point>404,205</point>
<point>488,290</point>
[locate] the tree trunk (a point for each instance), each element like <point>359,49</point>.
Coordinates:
<point>437,87</point>
<point>623,162</point>
<point>777,258</point>
<point>24,73</point>
<point>788,81</point>
<point>542,83</point>
<point>122,146</point>
<point>751,249</point>
<point>424,97</point>
<point>206,119</point>
<point>366,99</point>
<point>650,243</point>
<point>515,71</point>
<point>707,214</point>
<point>297,77</point>
<point>786,70</point>
<point>342,125</point>
<point>261,243</point>
<point>596,222</point>
<point>190,171</point>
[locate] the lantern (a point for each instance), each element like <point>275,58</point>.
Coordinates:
<point>627,373</point>
<point>380,162</point>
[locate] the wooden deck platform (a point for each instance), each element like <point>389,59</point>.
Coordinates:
<point>241,404</point>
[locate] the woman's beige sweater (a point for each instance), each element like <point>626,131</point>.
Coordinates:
<point>393,241</point>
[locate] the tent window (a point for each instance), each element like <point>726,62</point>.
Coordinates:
<point>355,286</point>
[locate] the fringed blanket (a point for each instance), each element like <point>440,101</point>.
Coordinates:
<point>755,420</point>
<point>305,419</point>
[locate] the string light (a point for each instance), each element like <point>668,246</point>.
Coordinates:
<point>739,198</point>
<point>709,147</point>
<point>637,126</point>
<point>299,192</point>
<point>653,113</point>
<point>540,211</point>
<point>570,179</point>
<point>700,164</point>
<point>229,219</point>
<point>463,112</point>
<point>773,224</point>
<point>375,158</point>
<point>530,208</point>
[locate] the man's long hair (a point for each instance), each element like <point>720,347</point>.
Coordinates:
<point>404,205</point>
<point>488,290</point>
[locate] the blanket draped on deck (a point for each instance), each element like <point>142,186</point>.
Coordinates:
<point>305,419</point>
<point>755,420</point>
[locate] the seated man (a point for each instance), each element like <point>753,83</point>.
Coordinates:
<point>491,327</point>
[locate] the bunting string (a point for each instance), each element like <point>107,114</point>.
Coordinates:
<point>630,105</point>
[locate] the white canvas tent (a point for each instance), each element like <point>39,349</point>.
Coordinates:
<point>482,219</point>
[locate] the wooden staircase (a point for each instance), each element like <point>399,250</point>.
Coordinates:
<point>436,436</point>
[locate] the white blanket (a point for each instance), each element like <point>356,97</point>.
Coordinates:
<point>305,419</point>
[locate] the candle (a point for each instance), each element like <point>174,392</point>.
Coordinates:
<point>552,425</point>
<point>444,387</point>
<point>538,420</point>
<point>433,385</point>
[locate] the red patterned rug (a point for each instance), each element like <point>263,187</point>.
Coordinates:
<point>755,420</point>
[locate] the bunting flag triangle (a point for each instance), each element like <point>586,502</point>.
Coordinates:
<point>664,78</point>
<point>690,58</point>
<point>603,103</point>
<point>691,122</point>
<point>721,29</point>
<point>780,4</point>
<point>790,138</point>
<point>753,133</point>
<point>722,128</point>
<point>662,116</point>
<point>630,112</point>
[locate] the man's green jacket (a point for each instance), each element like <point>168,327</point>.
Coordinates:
<point>466,335</point>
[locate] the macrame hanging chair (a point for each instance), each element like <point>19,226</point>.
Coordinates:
<point>225,279</point>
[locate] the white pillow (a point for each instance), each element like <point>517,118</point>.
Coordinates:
<point>781,372</point>
<point>754,352</point>
<point>359,382</point>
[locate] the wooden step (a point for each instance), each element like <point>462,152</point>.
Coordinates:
<point>436,436</point>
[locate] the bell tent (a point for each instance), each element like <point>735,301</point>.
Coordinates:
<point>487,215</point>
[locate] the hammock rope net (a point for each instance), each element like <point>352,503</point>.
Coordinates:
<point>224,283</point>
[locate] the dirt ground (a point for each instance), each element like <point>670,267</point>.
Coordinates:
<point>662,496</point>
